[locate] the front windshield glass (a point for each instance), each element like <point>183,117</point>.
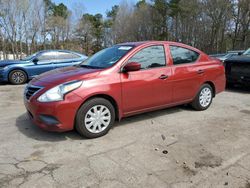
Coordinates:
<point>107,57</point>
<point>247,52</point>
<point>229,55</point>
<point>28,58</point>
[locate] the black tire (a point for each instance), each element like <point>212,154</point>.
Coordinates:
<point>18,77</point>
<point>196,104</point>
<point>81,115</point>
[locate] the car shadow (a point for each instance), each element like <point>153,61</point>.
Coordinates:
<point>154,114</point>
<point>3,83</point>
<point>29,129</point>
<point>239,89</point>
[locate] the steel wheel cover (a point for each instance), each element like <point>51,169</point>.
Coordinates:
<point>205,97</point>
<point>97,119</point>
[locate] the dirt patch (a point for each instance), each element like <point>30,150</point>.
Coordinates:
<point>37,146</point>
<point>187,170</point>
<point>245,111</point>
<point>5,90</point>
<point>37,153</point>
<point>208,160</point>
<point>247,185</point>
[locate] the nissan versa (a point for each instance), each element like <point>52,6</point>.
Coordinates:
<point>121,81</point>
<point>20,71</point>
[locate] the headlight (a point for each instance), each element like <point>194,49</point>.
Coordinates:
<point>57,93</point>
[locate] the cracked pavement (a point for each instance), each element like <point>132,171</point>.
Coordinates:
<point>201,149</point>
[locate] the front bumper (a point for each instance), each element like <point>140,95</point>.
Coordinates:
<point>3,78</point>
<point>54,116</point>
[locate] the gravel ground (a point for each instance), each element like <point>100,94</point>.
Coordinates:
<point>175,147</point>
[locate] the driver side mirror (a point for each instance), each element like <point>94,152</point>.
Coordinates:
<point>132,66</point>
<point>35,60</point>
<point>240,53</point>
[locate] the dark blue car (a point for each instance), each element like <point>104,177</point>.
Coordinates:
<point>20,71</point>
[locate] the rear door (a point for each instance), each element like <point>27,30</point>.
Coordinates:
<point>148,87</point>
<point>187,73</point>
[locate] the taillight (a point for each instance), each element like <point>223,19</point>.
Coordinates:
<point>220,62</point>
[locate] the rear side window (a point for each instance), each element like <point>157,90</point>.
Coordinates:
<point>183,55</point>
<point>150,57</point>
<point>66,55</point>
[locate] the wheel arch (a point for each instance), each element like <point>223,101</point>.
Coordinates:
<point>212,85</point>
<point>110,99</point>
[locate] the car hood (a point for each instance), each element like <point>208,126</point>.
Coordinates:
<point>62,75</point>
<point>238,59</point>
<point>4,63</point>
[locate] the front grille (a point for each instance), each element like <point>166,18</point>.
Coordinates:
<point>31,90</point>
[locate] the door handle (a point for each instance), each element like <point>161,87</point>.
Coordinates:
<point>200,71</point>
<point>163,77</point>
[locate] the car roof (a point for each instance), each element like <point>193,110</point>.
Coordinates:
<point>150,42</point>
<point>235,51</point>
<point>160,42</point>
<point>54,50</point>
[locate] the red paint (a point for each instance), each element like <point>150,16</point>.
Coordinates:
<point>134,92</point>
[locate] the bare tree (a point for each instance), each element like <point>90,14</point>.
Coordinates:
<point>122,29</point>
<point>84,35</point>
<point>211,25</point>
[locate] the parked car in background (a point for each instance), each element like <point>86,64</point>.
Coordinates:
<point>20,71</point>
<point>218,55</point>
<point>238,69</point>
<point>121,81</point>
<point>230,54</point>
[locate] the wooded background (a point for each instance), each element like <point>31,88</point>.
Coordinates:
<point>214,26</point>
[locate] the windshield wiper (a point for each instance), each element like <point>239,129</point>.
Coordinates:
<point>90,67</point>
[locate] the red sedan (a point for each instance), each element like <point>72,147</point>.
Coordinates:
<point>121,81</point>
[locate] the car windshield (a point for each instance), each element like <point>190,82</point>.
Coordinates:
<point>28,58</point>
<point>247,52</point>
<point>229,55</point>
<point>107,57</point>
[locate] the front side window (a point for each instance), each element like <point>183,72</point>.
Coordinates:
<point>150,57</point>
<point>183,55</point>
<point>107,57</point>
<point>30,57</point>
<point>47,56</point>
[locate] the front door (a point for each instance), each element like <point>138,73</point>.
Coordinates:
<point>148,87</point>
<point>45,62</point>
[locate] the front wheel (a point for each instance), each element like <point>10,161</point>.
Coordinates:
<point>95,118</point>
<point>204,98</point>
<point>18,77</point>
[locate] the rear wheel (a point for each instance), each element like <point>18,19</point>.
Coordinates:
<point>204,98</point>
<point>17,77</point>
<point>95,118</point>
